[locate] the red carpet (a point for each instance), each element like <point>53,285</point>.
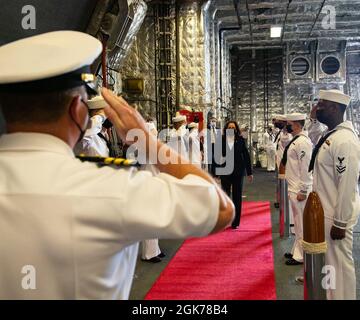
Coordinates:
<point>232,265</point>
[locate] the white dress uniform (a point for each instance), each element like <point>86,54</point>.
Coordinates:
<point>281,143</point>
<point>79,225</point>
<point>179,141</point>
<point>194,145</point>
<point>70,230</point>
<point>270,148</point>
<point>93,145</point>
<point>299,181</point>
<point>150,247</point>
<point>336,173</point>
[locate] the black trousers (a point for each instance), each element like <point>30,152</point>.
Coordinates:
<point>212,165</point>
<point>233,186</point>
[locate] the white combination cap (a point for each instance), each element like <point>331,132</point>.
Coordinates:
<point>48,62</point>
<point>334,96</point>
<point>295,116</point>
<point>179,118</point>
<point>193,125</point>
<point>97,102</point>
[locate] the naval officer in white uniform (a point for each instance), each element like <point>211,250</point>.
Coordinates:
<point>195,156</point>
<point>296,160</point>
<point>96,140</point>
<point>179,136</point>
<point>70,230</point>
<point>335,164</point>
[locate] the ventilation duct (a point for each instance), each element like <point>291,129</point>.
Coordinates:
<point>120,21</point>
<point>300,67</point>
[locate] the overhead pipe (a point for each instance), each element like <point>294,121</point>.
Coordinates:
<point>284,24</point>
<point>105,39</point>
<point>317,17</point>
<point>250,26</point>
<point>177,32</point>
<point>221,31</point>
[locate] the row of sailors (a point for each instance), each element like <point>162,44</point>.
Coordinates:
<point>325,159</point>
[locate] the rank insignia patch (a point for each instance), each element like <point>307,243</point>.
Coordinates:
<point>302,155</point>
<point>340,168</point>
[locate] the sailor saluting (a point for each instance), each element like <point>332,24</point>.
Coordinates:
<point>335,164</point>
<point>78,225</point>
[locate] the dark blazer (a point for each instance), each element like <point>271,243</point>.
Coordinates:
<point>242,162</point>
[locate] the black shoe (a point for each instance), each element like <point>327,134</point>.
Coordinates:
<point>288,255</point>
<point>234,227</point>
<point>277,205</point>
<point>162,255</point>
<point>153,260</point>
<point>293,262</point>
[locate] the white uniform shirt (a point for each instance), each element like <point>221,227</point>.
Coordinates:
<point>336,174</point>
<point>179,141</point>
<point>282,141</point>
<point>194,147</point>
<point>78,225</point>
<point>297,166</point>
<point>268,142</point>
<point>92,145</point>
<point>315,129</point>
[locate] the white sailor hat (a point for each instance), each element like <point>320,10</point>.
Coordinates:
<point>295,116</point>
<point>280,117</point>
<point>193,125</point>
<point>49,62</point>
<point>97,102</point>
<point>179,117</point>
<point>334,96</point>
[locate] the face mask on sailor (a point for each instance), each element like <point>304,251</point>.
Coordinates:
<point>289,128</point>
<point>107,124</point>
<point>279,125</point>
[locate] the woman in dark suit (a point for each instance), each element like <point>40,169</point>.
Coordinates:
<point>234,149</point>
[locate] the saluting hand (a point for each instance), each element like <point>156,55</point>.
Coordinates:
<point>337,233</point>
<point>123,117</point>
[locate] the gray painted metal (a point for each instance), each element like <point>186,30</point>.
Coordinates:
<point>313,266</point>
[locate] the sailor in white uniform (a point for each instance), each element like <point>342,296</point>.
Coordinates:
<point>336,165</point>
<point>296,160</point>
<point>96,140</point>
<point>179,136</point>
<point>282,138</point>
<point>194,144</point>
<point>150,248</point>
<point>69,229</point>
<point>270,147</point>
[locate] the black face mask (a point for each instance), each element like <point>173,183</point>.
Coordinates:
<point>279,125</point>
<point>107,124</point>
<point>321,116</point>
<point>82,131</point>
<point>289,128</point>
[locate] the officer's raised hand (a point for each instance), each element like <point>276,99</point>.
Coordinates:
<point>123,117</point>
